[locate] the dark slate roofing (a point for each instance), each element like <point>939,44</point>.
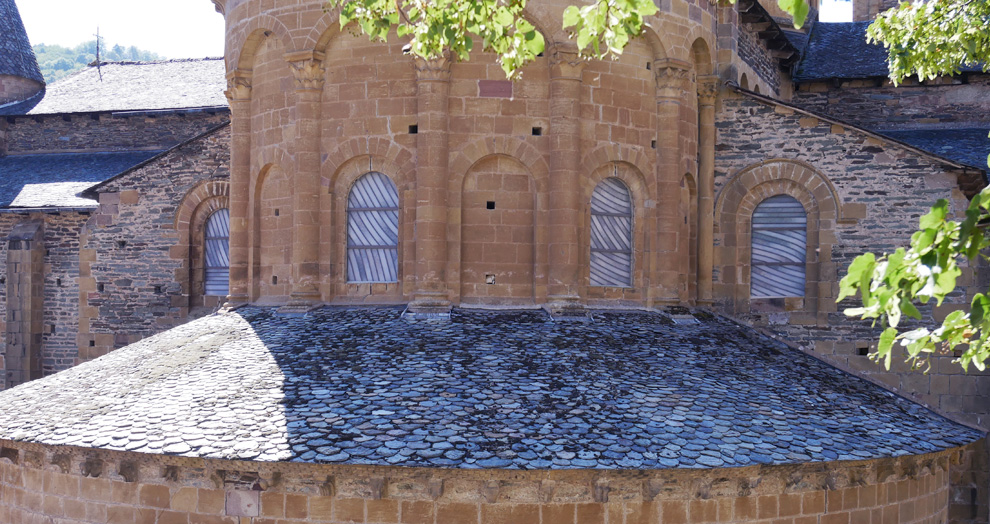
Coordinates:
<point>16,56</point>
<point>486,389</point>
<point>55,180</point>
<point>134,86</point>
<point>966,146</point>
<point>839,50</point>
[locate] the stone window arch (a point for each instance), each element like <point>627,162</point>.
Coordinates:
<point>198,206</point>
<point>217,253</point>
<point>778,248</point>
<point>611,234</point>
<point>373,230</point>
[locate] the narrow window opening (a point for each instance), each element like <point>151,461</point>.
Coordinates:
<point>611,234</point>
<point>490,204</point>
<point>217,252</point>
<point>158,290</point>
<point>537,131</point>
<point>92,343</point>
<point>58,282</point>
<point>779,248</point>
<point>99,287</point>
<point>413,129</point>
<point>649,66</point>
<point>276,211</point>
<point>653,144</point>
<point>274,280</point>
<point>121,243</point>
<point>863,351</point>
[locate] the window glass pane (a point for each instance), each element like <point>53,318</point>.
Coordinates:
<point>779,248</point>
<point>373,230</point>
<point>611,234</point>
<point>217,248</point>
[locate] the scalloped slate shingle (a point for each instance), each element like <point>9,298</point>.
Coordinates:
<point>55,180</point>
<point>16,56</point>
<point>133,86</point>
<point>969,146</point>
<point>486,389</point>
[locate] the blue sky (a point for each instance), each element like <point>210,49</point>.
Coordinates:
<point>171,28</point>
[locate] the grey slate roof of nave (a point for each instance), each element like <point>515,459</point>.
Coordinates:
<point>133,86</point>
<point>16,56</point>
<point>969,146</point>
<point>839,50</point>
<point>56,179</point>
<point>486,389</point>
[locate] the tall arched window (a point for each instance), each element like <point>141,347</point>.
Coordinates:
<point>780,244</point>
<point>373,230</point>
<point>611,234</point>
<point>217,250</point>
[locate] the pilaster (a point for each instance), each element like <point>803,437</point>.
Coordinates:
<point>708,87</point>
<point>432,151</point>
<point>565,272</point>
<point>239,97</point>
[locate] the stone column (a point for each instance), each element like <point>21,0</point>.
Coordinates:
<point>239,97</point>
<point>707,92</point>
<point>309,77</point>
<point>565,187</point>
<point>432,90</point>
<point>673,79</point>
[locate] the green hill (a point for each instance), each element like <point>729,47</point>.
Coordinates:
<point>57,62</point>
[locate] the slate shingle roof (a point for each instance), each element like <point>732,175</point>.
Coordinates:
<point>55,180</point>
<point>16,56</point>
<point>967,146</point>
<point>133,86</point>
<point>486,389</point>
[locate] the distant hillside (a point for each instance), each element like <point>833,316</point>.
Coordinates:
<point>57,61</point>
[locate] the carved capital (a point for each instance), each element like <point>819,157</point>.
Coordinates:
<point>309,74</point>
<point>673,78</point>
<point>708,86</point>
<point>565,62</point>
<point>238,85</point>
<point>218,4</point>
<point>433,68</point>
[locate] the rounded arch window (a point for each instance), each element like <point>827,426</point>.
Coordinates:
<point>217,240</point>
<point>780,244</point>
<point>373,230</point>
<point>611,234</point>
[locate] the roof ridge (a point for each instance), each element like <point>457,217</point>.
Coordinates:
<point>153,62</point>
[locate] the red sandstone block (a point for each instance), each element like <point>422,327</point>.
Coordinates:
<point>416,512</point>
<point>173,517</point>
<point>672,512</point>
<point>703,510</point>
<point>321,507</point>
<point>211,519</point>
<point>385,511</point>
<point>211,501</point>
<point>813,503</point>
<point>558,513</point>
<point>835,518</point>
<point>457,513</point>
<point>154,495</point>
<point>348,510</point>
<point>272,504</point>
<point>296,506</point>
<point>510,514</point>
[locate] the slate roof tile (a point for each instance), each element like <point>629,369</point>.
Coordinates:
<point>969,146</point>
<point>486,389</point>
<point>133,86</point>
<point>16,56</point>
<point>55,180</point>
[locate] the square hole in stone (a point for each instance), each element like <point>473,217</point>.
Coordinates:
<point>537,131</point>
<point>490,204</point>
<point>489,279</point>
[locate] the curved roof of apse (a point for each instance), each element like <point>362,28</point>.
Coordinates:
<point>485,389</point>
<point>16,56</point>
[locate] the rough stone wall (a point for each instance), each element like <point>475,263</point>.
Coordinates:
<point>866,10</point>
<point>39,483</point>
<point>754,52</point>
<point>910,106</point>
<point>882,190</point>
<point>13,88</point>
<point>107,131</point>
<point>134,271</point>
<point>60,294</point>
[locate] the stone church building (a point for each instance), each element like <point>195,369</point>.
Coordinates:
<point>330,282</point>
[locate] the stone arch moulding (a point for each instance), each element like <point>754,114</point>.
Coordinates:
<point>460,164</point>
<point>733,237</point>
<point>644,215</point>
<point>246,43</point>
<point>339,175</point>
<point>190,220</point>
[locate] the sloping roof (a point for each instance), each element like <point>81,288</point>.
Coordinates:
<point>133,86</point>
<point>969,146</point>
<point>16,56</point>
<point>56,180</point>
<point>838,50</point>
<point>485,389</point>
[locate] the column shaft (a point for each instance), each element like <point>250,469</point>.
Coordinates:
<point>239,96</point>
<point>707,92</point>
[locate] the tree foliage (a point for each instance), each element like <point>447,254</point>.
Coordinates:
<point>57,62</point>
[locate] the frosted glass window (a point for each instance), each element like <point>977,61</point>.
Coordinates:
<point>218,253</point>
<point>373,230</point>
<point>780,244</point>
<point>611,234</point>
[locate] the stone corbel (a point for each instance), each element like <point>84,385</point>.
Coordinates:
<point>565,62</point>
<point>307,69</point>
<point>238,85</point>
<point>433,69</point>
<point>708,86</point>
<point>673,77</point>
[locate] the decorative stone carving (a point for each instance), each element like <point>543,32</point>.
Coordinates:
<point>708,86</point>
<point>218,4</point>
<point>433,68</point>
<point>673,78</point>
<point>309,74</point>
<point>565,62</point>
<point>238,86</point>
